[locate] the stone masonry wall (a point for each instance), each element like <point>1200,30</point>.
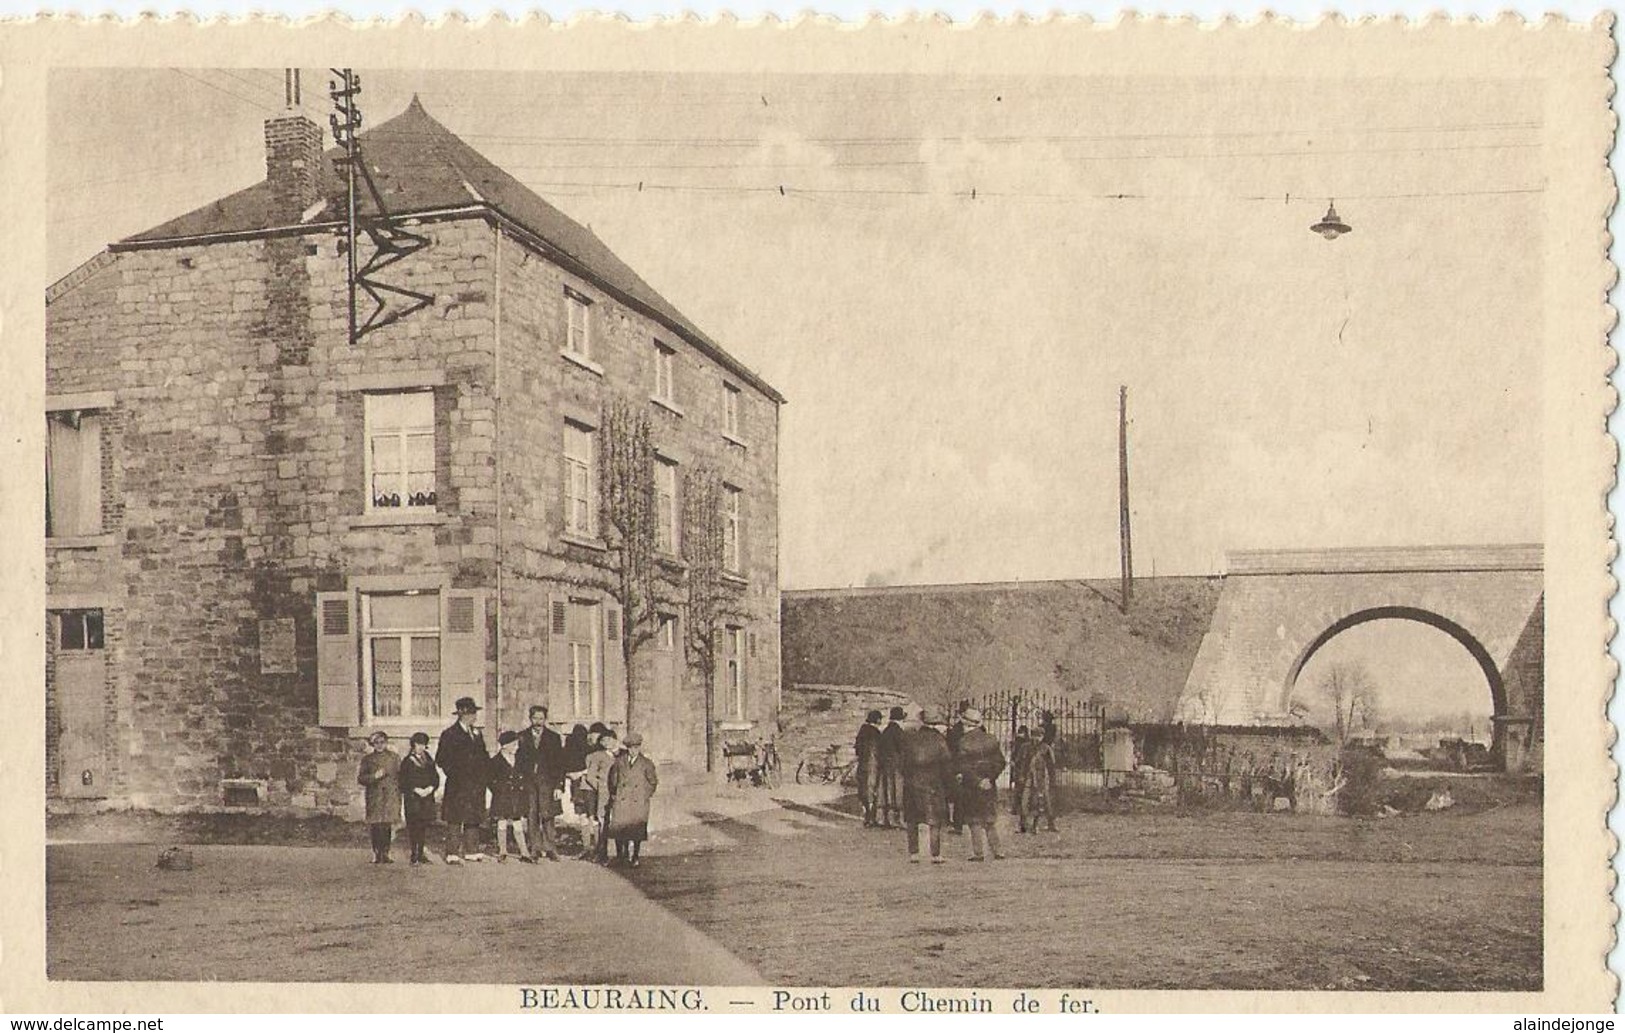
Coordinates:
<point>237,465</point>
<point>233,487</point>
<point>542,389</point>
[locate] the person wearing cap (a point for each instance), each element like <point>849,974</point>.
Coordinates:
<point>632,784</point>
<point>595,792</point>
<point>890,758</point>
<point>463,756</point>
<point>977,766</point>
<point>541,757</point>
<point>927,774</point>
<point>419,779</point>
<point>380,773</point>
<point>868,751</point>
<point>510,796</point>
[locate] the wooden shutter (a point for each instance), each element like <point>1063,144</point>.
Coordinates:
<point>338,681</point>
<point>462,647</point>
<point>614,665</point>
<point>558,657</point>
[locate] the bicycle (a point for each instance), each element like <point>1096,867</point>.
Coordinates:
<point>827,765</point>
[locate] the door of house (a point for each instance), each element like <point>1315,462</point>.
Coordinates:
<point>81,700</point>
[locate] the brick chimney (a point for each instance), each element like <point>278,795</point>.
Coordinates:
<point>293,166</point>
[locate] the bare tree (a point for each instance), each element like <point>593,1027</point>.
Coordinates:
<point>1348,690</point>
<point>629,519</point>
<point>710,600</point>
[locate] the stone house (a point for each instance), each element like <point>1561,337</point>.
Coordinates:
<point>264,542</point>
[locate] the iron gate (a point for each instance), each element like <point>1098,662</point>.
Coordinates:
<point>1077,727</point>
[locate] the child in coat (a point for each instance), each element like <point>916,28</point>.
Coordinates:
<point>380,774</point>
<point>419,779</point>
<point>510,797</point>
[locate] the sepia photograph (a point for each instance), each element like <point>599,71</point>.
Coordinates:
<point>794,528</point>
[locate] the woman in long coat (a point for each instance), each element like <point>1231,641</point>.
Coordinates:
<point>632,784</point>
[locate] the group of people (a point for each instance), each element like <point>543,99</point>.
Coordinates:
<point>938,774</point>
<point>523,788</point>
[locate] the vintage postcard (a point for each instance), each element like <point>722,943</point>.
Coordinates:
<point>913,518</point>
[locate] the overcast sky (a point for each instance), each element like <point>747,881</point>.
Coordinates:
<point>952,363</point>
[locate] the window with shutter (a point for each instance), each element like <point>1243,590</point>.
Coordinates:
<point>338,691</point>
<point>558,656</point>
<point>403,654</point>
<point>464,635</point>
<point>460,614</point>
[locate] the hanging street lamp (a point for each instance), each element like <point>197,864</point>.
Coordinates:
<point>1331,227</point>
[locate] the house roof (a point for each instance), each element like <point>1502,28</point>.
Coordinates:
<point>420,166</point>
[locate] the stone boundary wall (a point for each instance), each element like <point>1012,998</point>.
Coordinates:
<point>813,716</point>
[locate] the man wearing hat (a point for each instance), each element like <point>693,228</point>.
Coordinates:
<point>462,755</point>
<point>977,765</point>
<point>541,758</point>
<point>891,770</point>
<point>927,776</point>
<point>868,750</point>
<point>419,779</point>
<point>632,783</point>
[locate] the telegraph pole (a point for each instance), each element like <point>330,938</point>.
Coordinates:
<point>343,90</point>
<point>1126,539</point>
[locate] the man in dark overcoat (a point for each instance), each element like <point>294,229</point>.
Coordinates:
<point>891,770</point>
<point>541,758</point>
<point>868,751</point>
<point>977,767</point>
<point>462,755</point>
<point>1020,752</point>
<point>927,775</point>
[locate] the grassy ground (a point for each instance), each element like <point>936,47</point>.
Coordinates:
<point>1183,901</point>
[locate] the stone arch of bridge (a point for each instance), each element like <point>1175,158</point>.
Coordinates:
<point>1492,674</point>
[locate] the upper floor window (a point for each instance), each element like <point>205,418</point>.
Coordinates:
<point>666,506</point>
<point>665,360</point>
<point>666,633</point>
<point>730,410</point>
<point>400,449</point>
<point>73,473</point>
<point>580,510</point>
<point>578,324</point>
<point>732,519</point>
